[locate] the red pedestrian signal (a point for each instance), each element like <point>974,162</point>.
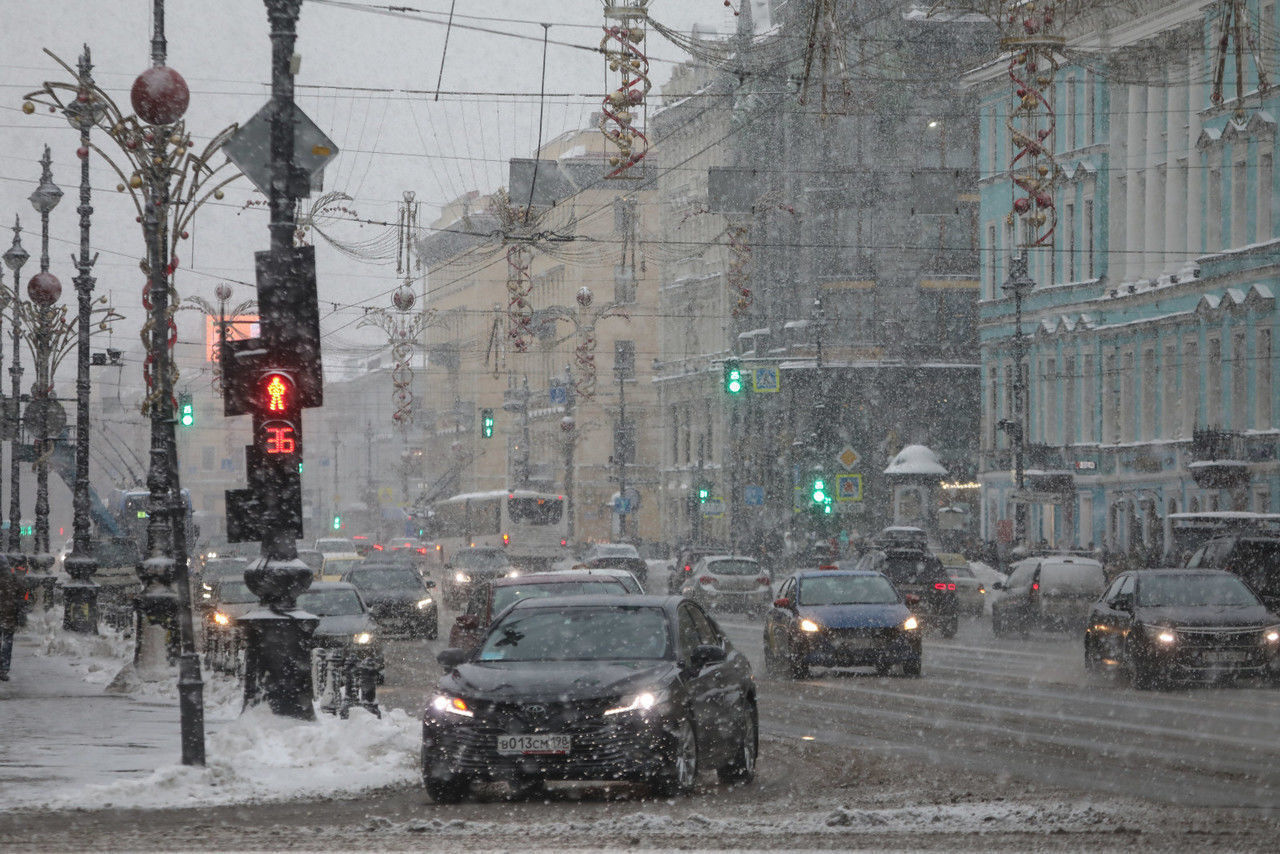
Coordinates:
<point>277,393</point>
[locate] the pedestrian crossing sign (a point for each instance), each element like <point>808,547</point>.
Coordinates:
<point>848,487</point>
<point>764,380</point>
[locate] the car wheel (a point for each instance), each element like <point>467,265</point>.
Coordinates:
<point>950,626</point>
<point>912,668</point>
<point>1142,676</point>
<point>771,667</point>
<point>448,791</point>
<point>742,768</point>
<point>681,771</point>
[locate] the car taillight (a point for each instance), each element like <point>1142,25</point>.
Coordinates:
<point>762,580</point>
<point>688,568</point>
<point>564,542</point>
<point>506,539</point>
<point>422,551</point>
<point>707,579</point>
<point>939,585</point>
<point>1035,585</point>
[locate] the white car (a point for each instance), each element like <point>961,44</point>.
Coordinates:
<point>730,582</point>
<point>988,576</point>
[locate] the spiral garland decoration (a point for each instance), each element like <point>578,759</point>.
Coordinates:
<point>152,395</point>
<point>403,331</point>
<point>739,273</point>
<point>624,31</point>
<point>519,291</point>
<point>584,380</point>
<point>1033,64</point>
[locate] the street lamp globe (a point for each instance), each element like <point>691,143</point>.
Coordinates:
<point>160,96</point>
<point>15,256</point>
<point>47,195</point>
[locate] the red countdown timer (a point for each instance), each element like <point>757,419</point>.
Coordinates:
<point>279,438</point>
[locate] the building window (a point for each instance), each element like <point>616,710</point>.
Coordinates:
<point>1069,239</point>
<point>1213,383</point>
<point>1239,377</point>
<point>1265,196</point>
<point>1088,237</point>
<point>1091,107</point>
<point>1088,432</point>
<point>1190,387</point>
<point>1048,402</point>
<point>1128,417</point>
<point>992,263</point>
<point>1262,361</point>
<point>1150,374</point>
<point>1169,394</point>
<point>1069,404</point>
<point>1239,205</point>
<point>624,283</point>
<point>1214,210</point>
<point>1111,415</point>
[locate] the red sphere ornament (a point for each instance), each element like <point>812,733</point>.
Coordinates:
<point>82,152</point>
<point>160,96</point>
<point>1044,200</point>
<point>1021,205</point>
<point>44,289</point>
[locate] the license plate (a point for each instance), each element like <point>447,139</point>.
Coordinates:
<point>1224,657</point>
<point>536,744</point>
<point>857,643</point>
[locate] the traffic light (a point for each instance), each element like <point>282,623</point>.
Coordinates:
<point>704,492</point>
<point>486,423</point>
<point>186,410</point>
<point>819,491</point>
<point>337,523</point>
<point>272,461</point>
<point>732,376</point>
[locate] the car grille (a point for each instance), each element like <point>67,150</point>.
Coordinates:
<point>883,634</point>
<point>1220,639</point>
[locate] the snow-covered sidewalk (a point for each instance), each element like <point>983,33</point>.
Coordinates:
<point>67,743</point>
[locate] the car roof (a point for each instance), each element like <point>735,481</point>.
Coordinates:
<point>381,564</point>
<point>322,586</point>
<point>560,575</point>
<point>1174,570</point>
<point>728,557</point>
<point>602,600</point>
<point>610,571</point>
<point>826,573</point>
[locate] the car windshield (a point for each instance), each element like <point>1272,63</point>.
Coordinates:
<point>1074,575</point>
<point>1164,591</point>
<point>330,603</point>
<point>386,578</point>
<point>908,569</point>
<point>579,634</point>
<point>846,590</point>
<point>733,567</point>
<point>1256,562</point>
<point>235,593</point>
<point>507,595</point>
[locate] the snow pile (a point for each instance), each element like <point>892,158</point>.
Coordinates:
<point>260,757</point>
<point>97,658</point>
<point>916,460</point>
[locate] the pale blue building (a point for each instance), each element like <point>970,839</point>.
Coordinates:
<point>1151,358</point>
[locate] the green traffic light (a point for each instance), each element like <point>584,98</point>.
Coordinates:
<point>186,411</point>
<point>486,423</point>
<point>337,523</point>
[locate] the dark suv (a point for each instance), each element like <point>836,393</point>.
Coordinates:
<point>923,582</point>
<point>1049,591</point>
<point>1255,558</point>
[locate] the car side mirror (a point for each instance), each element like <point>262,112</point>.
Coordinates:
<point>451,657</point>
<point>467,621</point>
<point>427,582</point>
<point>1123,602</point>
<point>707,654</point>
<point>999,585</point>
<point>782,602</point>
<point>911,600</point>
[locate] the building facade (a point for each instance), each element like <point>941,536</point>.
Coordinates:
<point>1151,352</point>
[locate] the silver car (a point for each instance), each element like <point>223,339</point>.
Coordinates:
<point>730,583</point>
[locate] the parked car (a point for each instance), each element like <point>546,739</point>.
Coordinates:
<point>494,597</point>
<point>471,568</point>
<point>216,569</point>
<point>924,585</point>
<point>1165,625</point>
<point>398,598</point>
<point>840,618</point>
<point>1048,592</point>
<point>636,688</point>
<point>1254,557</point>
<point>345,623</point>
<point>730,583</point>
<point>338,564</point>
<point>971,593</point>
<point>617,556</point>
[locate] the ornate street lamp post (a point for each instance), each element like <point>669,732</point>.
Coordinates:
<point>44,289</point>
<point>81,593</point>
<point>1019,285</point>
<point>14,258</point>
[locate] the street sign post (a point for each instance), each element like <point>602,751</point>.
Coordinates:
<point>250,151</point>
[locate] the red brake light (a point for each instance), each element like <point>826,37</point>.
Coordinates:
<point>707,579</point>
<point>564,542</point>
<point>377,547</point>
<point>951,586</point>
<point>938,585</point>
<point>688,567</point>
<point>1035,585</point>
<point>422,550</point>
<point>762,580</point>
<point>828,566</point>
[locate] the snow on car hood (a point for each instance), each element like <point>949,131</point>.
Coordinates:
<point>554,680</point>
<point>856,616</point>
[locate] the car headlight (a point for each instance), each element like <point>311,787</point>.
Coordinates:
<point>450,705</point>
<point>809,626</point>
<point>1163,635</point>
<point>461,577</point>
<point>1271,635</point>
<point>515,573</point>
<point>221,618</point>
<point>642,702</point>
<point>362,638</point>
<point>424,604</point>
<point>910,624</point>
<point>211,555</point>
<point>206,588</point>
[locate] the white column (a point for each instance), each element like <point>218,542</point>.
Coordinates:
<point>1153,206</point>
<point>1135,153</point>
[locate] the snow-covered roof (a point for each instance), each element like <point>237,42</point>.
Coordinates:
<point>916,459</point>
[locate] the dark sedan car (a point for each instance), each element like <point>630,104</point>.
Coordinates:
<point>344,624</point>
<point>470,569</point>
<point>918,574</point>
<point>398,598</point>
<point>1162,625</point>
<point>635,688</point>
<point>840,618</point>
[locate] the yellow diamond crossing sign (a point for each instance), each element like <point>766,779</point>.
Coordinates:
<point>848,458</point>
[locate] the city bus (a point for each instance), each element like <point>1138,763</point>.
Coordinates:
<point>529,525</point>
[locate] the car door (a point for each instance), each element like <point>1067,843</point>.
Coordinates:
<point>726,680</point>
<point>778,623</point>
<point>700,683</point>
<point>1015,589</point>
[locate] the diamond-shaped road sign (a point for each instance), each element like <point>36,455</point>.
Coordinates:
<point>250,149</point>
<point>848,458</point>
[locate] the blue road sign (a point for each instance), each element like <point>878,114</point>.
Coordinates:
<point>753,495</point>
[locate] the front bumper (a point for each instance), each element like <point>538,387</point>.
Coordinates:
<point>858,647</point>
<point>1205,657</point>
<point>733,600</point>
<point>630,747</point>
